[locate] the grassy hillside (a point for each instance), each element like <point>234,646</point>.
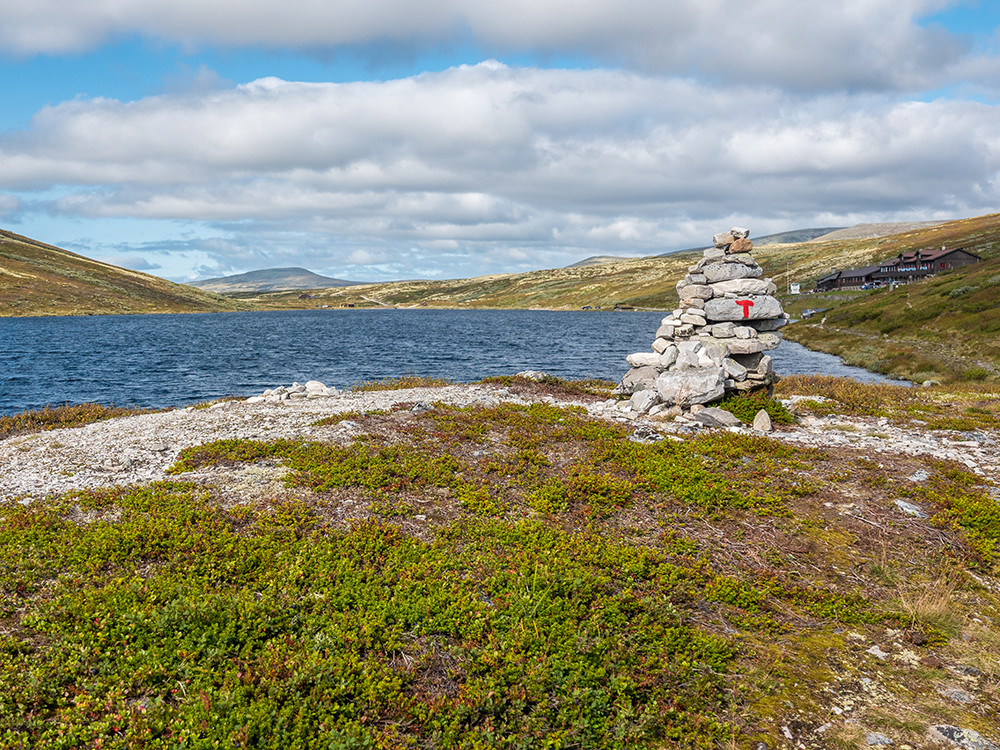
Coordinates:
<point>39,279</point>
<point>945,327</point>
<point>643,282</point>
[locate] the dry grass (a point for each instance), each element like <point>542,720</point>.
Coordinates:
<point>410,380</point>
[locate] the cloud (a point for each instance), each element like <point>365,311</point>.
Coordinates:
<point>9,205</point>
<point>862,44</point>
<point>551,164</point>
<point>135,262</point>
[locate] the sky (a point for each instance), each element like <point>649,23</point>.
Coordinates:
<point>376,140</point>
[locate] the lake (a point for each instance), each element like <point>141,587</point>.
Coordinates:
<point>172,360</point>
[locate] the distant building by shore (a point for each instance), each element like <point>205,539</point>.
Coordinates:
<point>902,269</point>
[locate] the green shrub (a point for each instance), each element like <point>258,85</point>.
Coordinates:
<point>962,291</point>
<point>976,373</point>
<point>746,405</point>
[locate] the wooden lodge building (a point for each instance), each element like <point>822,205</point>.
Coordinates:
<point>902,269</point>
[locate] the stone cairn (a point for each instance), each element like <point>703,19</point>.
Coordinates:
<point>714,343</point>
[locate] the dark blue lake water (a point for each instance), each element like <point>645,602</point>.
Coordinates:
<point>170,360</point>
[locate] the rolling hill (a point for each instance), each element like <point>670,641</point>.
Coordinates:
<point>270,280</point>
<point>945,327</point>
<point>39,279</point>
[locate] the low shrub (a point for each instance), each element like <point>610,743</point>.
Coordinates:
<point>54,417</point>
<point>410,380</point>
<point>746,405</point>
<point>962,291</point>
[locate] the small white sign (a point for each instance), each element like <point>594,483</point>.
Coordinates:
<point>794,289</point>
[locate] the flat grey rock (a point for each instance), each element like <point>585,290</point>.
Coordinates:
<point>713,416</point>
<point>717,272</point>
<point>751,308</point>
<point>910,509</point>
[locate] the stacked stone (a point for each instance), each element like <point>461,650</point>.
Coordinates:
<point>714,343</point>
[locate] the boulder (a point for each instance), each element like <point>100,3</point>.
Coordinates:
<point>762,422</point>
<point>743,287</point>
<point>749,361</point>
<point>643,359</point>
<point>660,345</point>
<point>642,401</point>
<point>731,309</point>
<point>687,360</point>
<point>695,291</point>
<point>734,369</point>
<point>741,245</point>
<point>687,387</point>
<point>745,346</point>
<point>724,330</point>
<point>692,319</point>
<point>637,379</point>
<point>715,350</point>
<point>723,239</point>
<point>717,272</point>
<point>713,416</point>
<point>668,356</point>
<point>769,325</point>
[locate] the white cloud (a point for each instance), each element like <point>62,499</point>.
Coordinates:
<point>551,164</point>
<point>135,262</point>
<point>9,205</point>
<point>856,44</point>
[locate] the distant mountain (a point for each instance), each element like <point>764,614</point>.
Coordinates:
<point>595,260</point>
<point>780,238</point>
<point>795,235</point>
<point>884,229</point>
<point>270,280</point>
<point>40,279</point>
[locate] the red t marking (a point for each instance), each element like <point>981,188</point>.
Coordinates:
<point>746,304</point>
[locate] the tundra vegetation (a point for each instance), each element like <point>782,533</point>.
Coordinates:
<point>519,576</point>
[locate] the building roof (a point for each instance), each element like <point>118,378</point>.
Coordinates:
<point>932,254</point>
<point>852,273</point>
<point>832,276</point>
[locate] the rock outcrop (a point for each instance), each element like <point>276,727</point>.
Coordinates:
<point>714,343</point>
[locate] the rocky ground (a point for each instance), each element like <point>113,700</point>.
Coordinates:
<point>141,448</point>
<point>137,449</point>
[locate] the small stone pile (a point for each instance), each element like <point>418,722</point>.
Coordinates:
<point>312,389</point>
<point>714,343</point>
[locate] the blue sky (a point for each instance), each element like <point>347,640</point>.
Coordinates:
<point>447,138</point>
